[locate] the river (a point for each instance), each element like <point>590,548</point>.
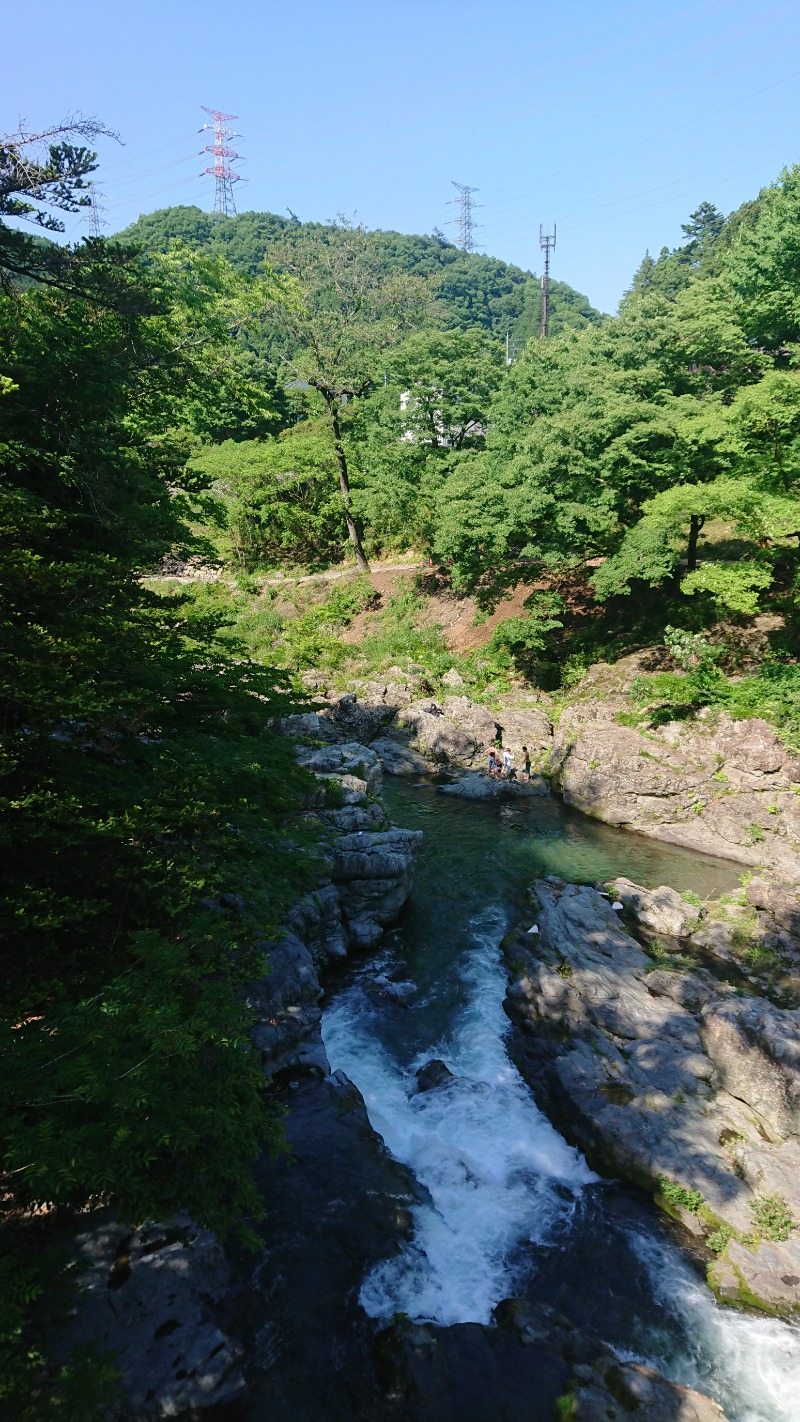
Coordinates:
<point>511,1208</point>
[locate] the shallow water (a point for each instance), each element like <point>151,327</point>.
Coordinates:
<point>512,1207</point>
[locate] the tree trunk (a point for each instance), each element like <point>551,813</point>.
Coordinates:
<point>344,484</point>
<point>695,525</point>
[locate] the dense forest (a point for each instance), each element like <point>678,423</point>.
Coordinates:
<point>471,290</point>
<point>263,394</point>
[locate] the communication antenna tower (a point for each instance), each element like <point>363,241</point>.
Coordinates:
<point>223,174</point>
<point>547,242</point>
<point>465,221</point>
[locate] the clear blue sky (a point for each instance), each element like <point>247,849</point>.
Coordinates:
<point>611,118</point>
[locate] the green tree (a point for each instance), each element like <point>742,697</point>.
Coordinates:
<point>141,785</point>
<point>347,316</point>
<point>762,265</point>
<point>277,497</point>
<point>434,403</point>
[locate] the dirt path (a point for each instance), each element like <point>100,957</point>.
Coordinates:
<point>349,571</point>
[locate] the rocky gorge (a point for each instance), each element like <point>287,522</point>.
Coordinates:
<point>659,1034</point>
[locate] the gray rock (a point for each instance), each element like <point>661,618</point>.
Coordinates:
<point>614,1391</point>
<point>373,875</point>
<point>350,758</point>
<point>438,738</point>
<point>433,1075</point>
<point>479,785</point>
<point>768,1273</point>
<point>725,788</point>
<point>779,901</point>
<point>475,720</point>
<point>520,728</point>
<point>656,1073</point>
<point>452,678</point>
<point>156,1305</point>
<point>397,759</point>
<point>661,910</point>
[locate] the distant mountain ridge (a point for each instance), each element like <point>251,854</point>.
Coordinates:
<point>475,290</point>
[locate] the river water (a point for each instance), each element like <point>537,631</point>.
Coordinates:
<point>511,1208</point>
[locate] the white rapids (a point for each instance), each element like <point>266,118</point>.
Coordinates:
<point>499,1176</point>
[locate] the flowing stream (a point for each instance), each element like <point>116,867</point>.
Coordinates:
<point>512,1208</point>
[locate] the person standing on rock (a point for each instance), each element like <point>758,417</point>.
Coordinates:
<point>492,763</point>
<point>526,764</point>
<point>508,764</point>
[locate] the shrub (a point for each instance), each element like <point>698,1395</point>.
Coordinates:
<point>773,1217</point>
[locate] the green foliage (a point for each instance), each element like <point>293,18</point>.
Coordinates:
<point>719,1239</point>
<point>142,787</point>
<point>690,897</point>
<point>434,403</point>
<point>676,1194</point>
<point>278,498</point>
<point>313,638</point>
<point>772,1216</point>
<point>687,648</point>
<point>772,692</point>
<point>398,637</point>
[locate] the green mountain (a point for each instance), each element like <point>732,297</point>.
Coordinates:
<point>474,290</point>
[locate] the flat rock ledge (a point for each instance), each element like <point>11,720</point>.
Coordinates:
<point>479,785</point>
<point>675,1080</point>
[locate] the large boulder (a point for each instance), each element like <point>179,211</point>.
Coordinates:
<point>531,728</point>
<point>455,733</point>
<point>660,910</point>
<point>348,759</point>
<point>398,759</point>
<point>533,1366</point>
<point>669,1078</point>
<point>156,1304</point>
<point>373,875</point>
<point>724,787</point>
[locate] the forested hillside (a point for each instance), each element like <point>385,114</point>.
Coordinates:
<point>472,290</point>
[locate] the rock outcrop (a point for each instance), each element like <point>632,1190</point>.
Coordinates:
<point>159,1306</point>
<point>370,868</point>
<point>670,1078</point>
<point>414,733</point>
<point>535,1364</point>
<point>725,787</point>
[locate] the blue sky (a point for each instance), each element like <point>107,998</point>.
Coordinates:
<point>613,120</point>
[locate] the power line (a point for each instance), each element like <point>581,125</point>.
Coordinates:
<point>223,174</point>
<point>465,221</point>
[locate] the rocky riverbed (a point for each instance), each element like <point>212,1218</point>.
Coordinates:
<point>661,1036</point>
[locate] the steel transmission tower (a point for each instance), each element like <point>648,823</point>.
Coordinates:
<point>465,221</point>
<point>94,220</point>
<point>223,174</point>
<point>547,242</point>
